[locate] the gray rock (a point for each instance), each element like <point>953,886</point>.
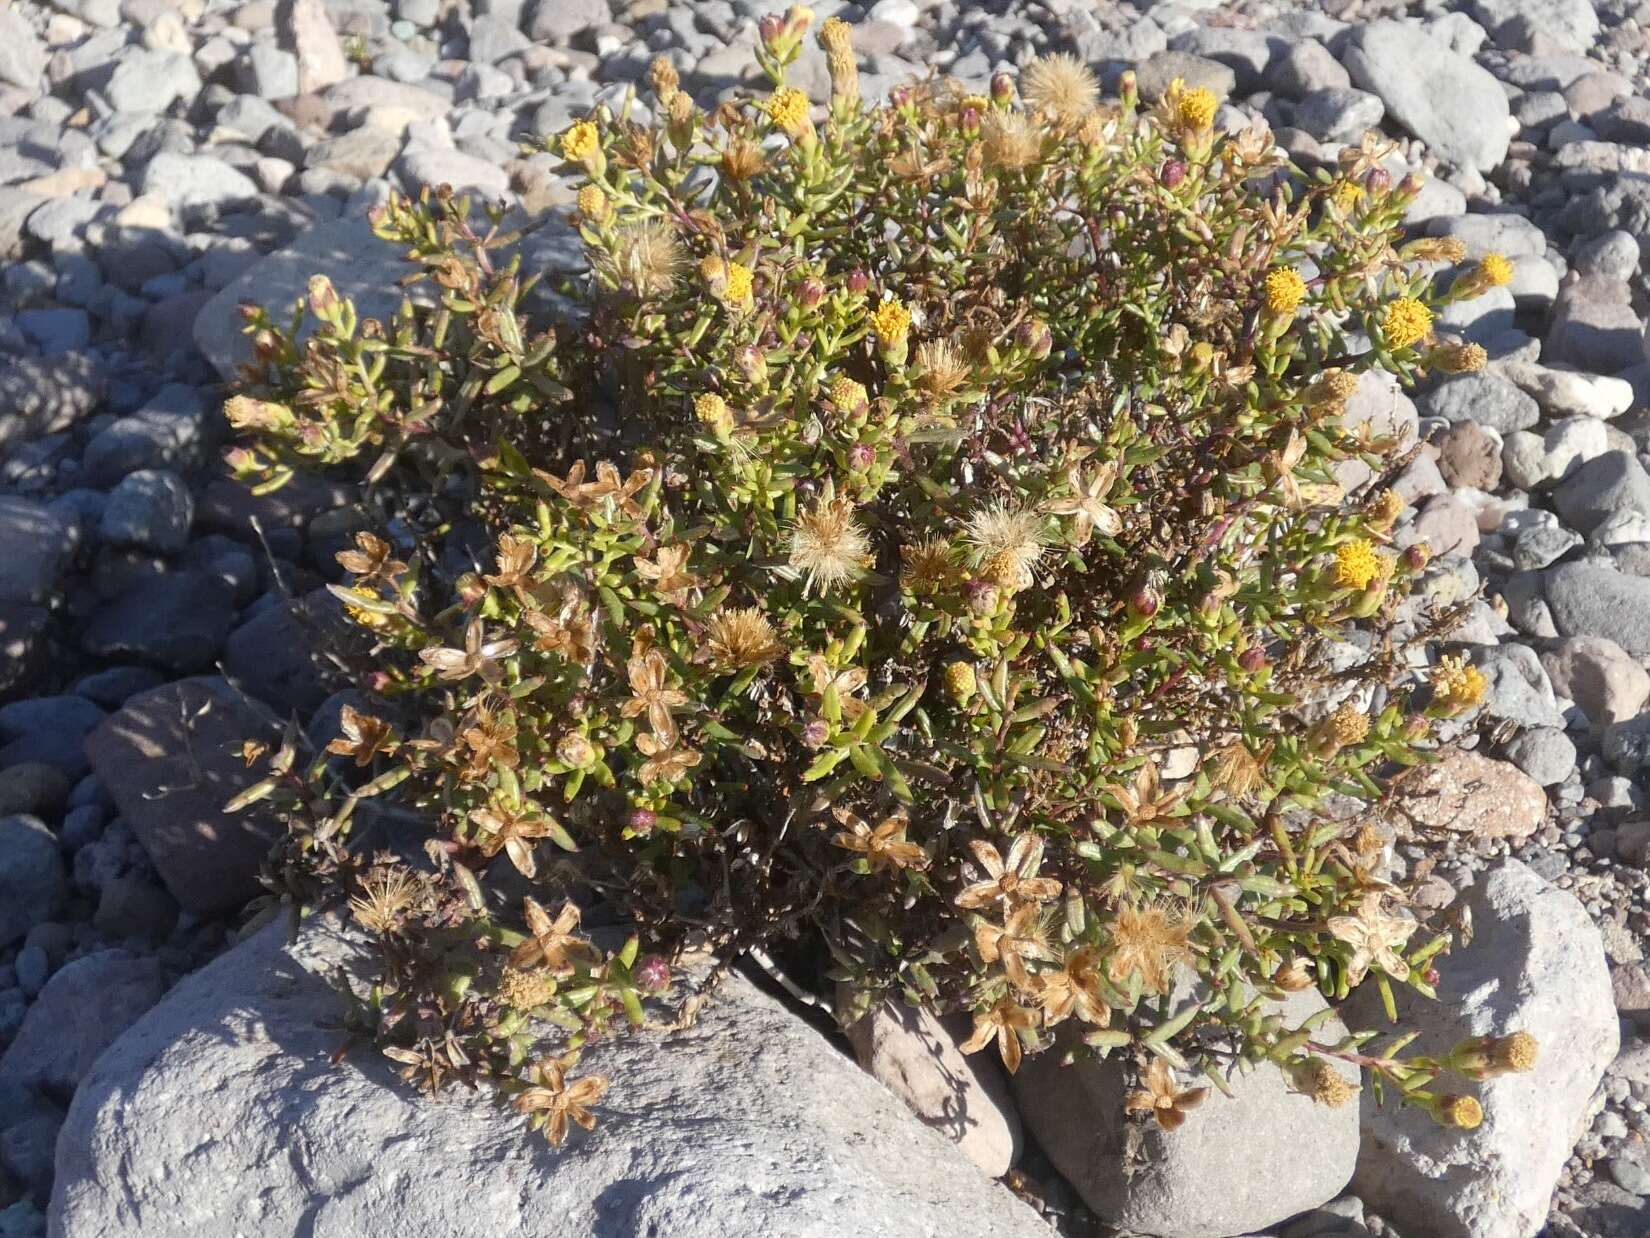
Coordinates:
<point>270,73</point>
<point>35,546</point>
<point>31,876</point>
<point>1570,24</point>
<point>1602,487</point>
<point>178,621</point>
<point>1599,676</point>
<point>1570,393</point>
<point>1614,255</point>
<point>1158,72</point>
<point>196,180</point>
<point>151,508</point>
<point>423,166</point>
<point>700,1137</point>
<point>167,760</point>
<point>22,55</point>
<point>1518,690</point>
<point>1484,398</point>
<point>48,730</point>
<point>557,21</point>
<point>1627,745</point>
<point>1535,964</point>
<point>46,394</point>
<point>1594,327</point>
<point>304,29</point>
<point>1338,115</point>
<point>57,330</point>
<point>365,152</point>
<point>1457,108</point>
<point>151,80</point>
<point>1306,66</point>
<point>1594,599</point>
<point>1546,754</point>
<point>1541,546</point>
<point>963,1096</point>
<point>1236,1166</point>
<point>273,655</point>
<point>361,267</point>
<point>1248,53</point>
<point>24,645</point>
<point>57,1044</point>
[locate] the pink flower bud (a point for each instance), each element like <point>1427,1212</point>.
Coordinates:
<point>981,596</point>
<point>815,732</point>
<point>861,457</point>
<point>1002,88</point>
<point>652,974</point>
<point>1145,601</point>
<point>642,820</point>
<point>1171,173</point>
<point>1253,659</point>
<point>858,281</point>
<point>810,292</point>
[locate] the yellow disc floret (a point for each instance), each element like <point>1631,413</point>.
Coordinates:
<point>580,141</point>
<point>891,321</point>
<point>1284,290</point>
<point>1457,685</point>
<point>788,108</point>
<point>1356,564</point>
<point>846,394</point>
<point>592,202</point>
<point>1406,322</point>
<point>712,411</point>
<point>1196,108</point>
<point>1495,270</point>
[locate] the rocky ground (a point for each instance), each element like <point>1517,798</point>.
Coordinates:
<point>153,614</point>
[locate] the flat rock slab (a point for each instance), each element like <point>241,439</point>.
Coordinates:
<point>218,1113</point>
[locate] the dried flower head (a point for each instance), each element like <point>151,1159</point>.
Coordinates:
<point>385,899</point>
<point>1348,724</point>
<point>642,257</point>
<point>941,369</point>
<point>742,161</point>
<point>1316,1077</point>
<point>1061,85</point>
<point>1013,142</point>
<point>526,988</point>
<point>1405,323</point>
<point>928,566</point>
<point>827,544</point>
<point>1457,357</point>
<point>742,637</point>
<point>1005,543</point>
<point>552,1099</point>
<point>1148,941</point>
<point>1162,1098</point>
<point>884,847</point>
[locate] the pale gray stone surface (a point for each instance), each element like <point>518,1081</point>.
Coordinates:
<point>221,1103</point>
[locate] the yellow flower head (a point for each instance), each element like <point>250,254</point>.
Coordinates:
<point>1356,564</point>
<point>1346,195</point>
<point>729,281</point>
<point>1495,270</point>
<point>1463,1112</point>
<point>1457,358</point>
<point>1195,109</point>
<point>960,681</point>
<point>1284,290</point>
<point>592,202</point>
<point>712,411</point>
<point>1407,322</point>
<point>1457,685</point>
<point>580,141</point>
<point>846,394</point>
<point>891,320</point>
<point>788,108</point>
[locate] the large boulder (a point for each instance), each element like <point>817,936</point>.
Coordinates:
<point>1536,964</point>
<point>1457,108</point>
<point>221,1103</point>
<point>168,759</point>
<point>1235,1166</point>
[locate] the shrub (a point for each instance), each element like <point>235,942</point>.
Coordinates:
<point>919,547</point>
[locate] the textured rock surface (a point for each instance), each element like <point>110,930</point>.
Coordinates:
<point>221,1103</point>
<point>1441,97</point>
<point>1476,795</point>
<point>1535,964</point>
<point>166,758</point>
<point>963,1096</point>
<point>1234,1167</point>
<point>81,1011</point>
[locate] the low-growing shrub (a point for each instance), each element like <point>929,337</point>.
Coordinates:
<point>921,547</point>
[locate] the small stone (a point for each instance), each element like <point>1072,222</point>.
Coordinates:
<point>1471,794</point>
<point>132,906</point>
<point>178,620</point>
<point>35,545</point>
<point>1469,456</point>
<point>1594,599</point>
<point>305,30</point>
<point>31,876</point>
<point>1609,483</point>
<point>1600,677</point>
<point>1484,398</point>
<point>151,508</point>
<point>1546,754</point>
<point>33,789</point>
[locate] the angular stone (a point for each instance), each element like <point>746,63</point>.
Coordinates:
<point>1457,108</point>
<point>1535,964</point>
<point>42,395</point>
<point>305,30</point>
<point>35,545</point>
<point>58,1043</point>
<point>1474,795</point>
<point>1594,327</point>
<point>22,55</point>
<point>177,620</point>
<point>31,876</point>
<point>964,1097</point>
<point>1483,398</point>
<point>220,1102</point>
<point>1599,676</point>
<point>196,180</point>
<point>1594,599</point>
<point>168,759</point>
<point>1236,1165</point>
<point>1602,487</point>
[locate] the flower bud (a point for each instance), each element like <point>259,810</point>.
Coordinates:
<point>861,457</point>
<point>768,29</point>
<point>1416,728</point>
<point>1171,173</point>
<point>1486,1057</point>
<point>960,681</point>
<point>1411,185</point>
<point>575,750</point>
<point>323,297</point>
<point>1253,659</point>
<point>652,974</point>
<point>753,364</point>
<point>900,97</point>
<point>1002,90</point>
<point>1145,602</point>
<point>810,292</point>
<point>815,732</point>
<point>981,596</point>
<point>1417,556</point>
<point>1377,180</point>
<point>857,282</point>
